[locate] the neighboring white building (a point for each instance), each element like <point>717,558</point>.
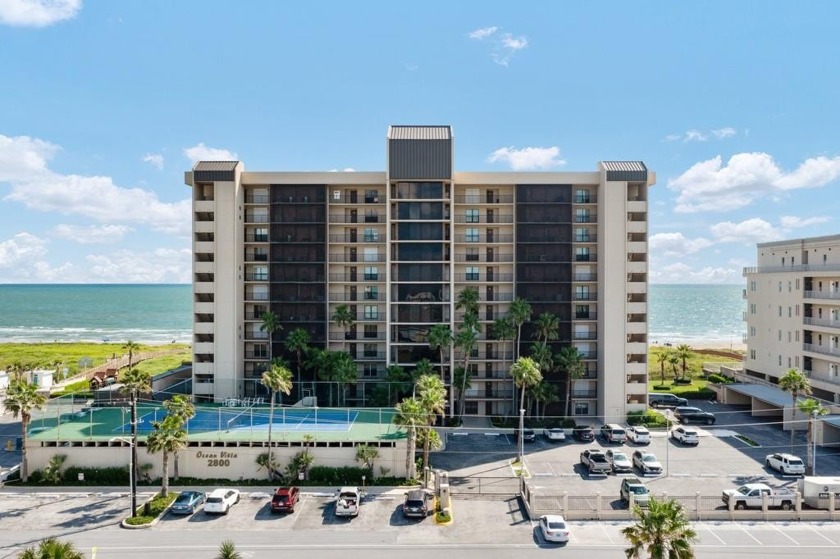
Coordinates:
<point>397,247</point>
<point>793,313</point>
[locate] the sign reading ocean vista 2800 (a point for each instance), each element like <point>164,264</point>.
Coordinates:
<point>216,459</point>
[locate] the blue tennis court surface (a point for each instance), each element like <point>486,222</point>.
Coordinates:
<point>255,419</point>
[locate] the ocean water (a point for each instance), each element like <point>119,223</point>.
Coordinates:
<point>96,313</point>
<point>163,313</point>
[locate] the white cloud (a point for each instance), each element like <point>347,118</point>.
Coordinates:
<point>679,272</point>
<point>748,232</point>
<point>711,186</point>
<point>793,222</point>
<point>23,248</point>
<point>23,164</point>
<point>37,13</point>
<point>695,135</point>
<point>514,43</point>
<point>674,244</point>
<point>157,266</point>
<point>483,33</point>
<point>201,152</point>
<point>528,158</point>
<point>91,234</point>
<point>345,170</point>
<point>155,160</point>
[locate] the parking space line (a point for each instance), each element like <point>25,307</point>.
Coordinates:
<point>820,534</point>
<point>756,540</point>
<point>606,532</point>
<point>712,532</point>
<point>783,533</point>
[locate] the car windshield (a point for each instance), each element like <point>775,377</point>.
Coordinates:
<point>619,456</point>
<point>648,458</point>
<point>557,525</point>
<point>183,499</point>
<point>637,489</point>
<point>795,462</point>
<point>212,500</point>
<point>414,503</point>
<point>743,490</point>
<point>281,498</point>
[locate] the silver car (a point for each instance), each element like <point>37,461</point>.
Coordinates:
<point>619,461</point>
<point>647,462</point>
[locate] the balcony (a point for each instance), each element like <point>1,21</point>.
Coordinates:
<point>797,268</point>
<point>256,218</point>
<point>821,322</point>
<point>257,199</point>
<point>589,276</point>
<point>823,350</point>
<point>338,336</point>
<point>488,394</point>
<point>584,336</point>
<point>485,199</point>
<point>360,296</point>
<point>349,238</point>
<point>830,295</point>
<point>484,277</point>
<point>462,218</point>
<point>484,257</point>
<point>500,238</point>
<point>584,394</point>
<point>368,218</point>
<point>357,258</point>
<point>257,335</point>
<point>251,296</point>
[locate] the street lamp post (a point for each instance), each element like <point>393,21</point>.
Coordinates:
<point>132,481</point>
<point>521,436</point>
<point>814,443</point>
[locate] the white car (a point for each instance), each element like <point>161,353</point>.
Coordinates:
<point>620,461</point>
<point>220,501</point>
<point>686,435</point>
<point>638,435</point>
<point>554,528</point>
<point>785,463</point>
<point>646,462</point>
<point>554,434</point>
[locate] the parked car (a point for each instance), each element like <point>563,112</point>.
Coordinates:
<point>220,501</point>
<point>555,434</point>
<point>686,435</point>
<point>187,502</point>
<point>687,414</point>
<point>584,434</point>
<point>754,495</point>
<point>638,434</point>
<point>785,463</point>
<point>619,461</point>
<point>528,435</point>
<point>634,486</point>
<point>594,460</point>
<point>613,433</point>
<point>416,504</point>
<point>665,400</point>
<point>285,499</point>
<point>554,528</point>
<point>646,462</point>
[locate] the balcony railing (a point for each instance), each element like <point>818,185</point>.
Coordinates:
<point>484,199</point>
<point>356,336</point>
<point>821,322</point>
<point>357,258</point>
<point>824,350</point>
<point>484,257</point>
<point>484,277</point>
<point>256,296</point>
<point>251,218</point>
<point>484,238</point>
<point>463,218</point>
<point>360,296</point>
<point>821,295</point>
<point>256,199</point>
<point>488,394</point>
<point>797,268</point>
<point>357,238</point>
<point>339,218</point>
<point>584,394</point>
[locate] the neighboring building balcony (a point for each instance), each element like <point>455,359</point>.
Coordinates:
<point>204,267</point>
<point>357,258</point>
<point>483,257</point>
<point>828,323</point>
<point>360,296</point>
<point>636,326</point>
<point>256,218</point>
<point>256,335</point>
<point>590,217</point>
<point>586,276</point>
<point>358,277</point>
<point>584,335</point>
<point>256,276</point>
<point>481,239</point>
<point>204,328</point>
<point>204,287</point>
<point>485,355</point>
<point>484,218</point>
<point>256,238</point>
<point>204,227</point>
<point>636,368</point>
<point>204,206</point>
<point>368,355</point>
<point>636,308</point>
<point>357,198</point>
<point>339,336</point>
<point>487,278</point>
<point>823,381</point>
<point>500,394</point>
<point>256,355</point>
<point>636,226</point>
<point>203,308</point>
<point>351,238</point>
<point>257,199</point>
<point>584,296</point>
<point>251,256</point>
<point>590,315</point>
<point>492,376</point>
<point>584,394</point>
<point>830,295</point>
<point>355,218</point>
<point>636,378</point>
<point>822,350</point>
<point>797,268</point>
<point>586,198</point>
<point>485,199</point>
<point>259,296</point>
<point>637,267</point>
<point>638,207</point>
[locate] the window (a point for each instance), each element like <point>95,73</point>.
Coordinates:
<point>371,273</point>
<point>581,408</point>
<point>581,311</point>
<point>472,235</point>
<point>369,370</point>
<point>371,216</point>
<point>260,273</point>
<point>752,286</point>
<point>370,350</point>
<point>471,408</point>
<point>372,293</point>
<point>752,354</point>
<point>371,331</point>
<point>582,294</point>
<point>371,312</point>
<point>371,197</point>
<point>472,273</point>
<point>790,364</point>
<point>780,287</point>
<point>582,196</point>
<point>371,255</point>
<point>752,308</point>
<point>473,196</point>
<point>790,286</point>
<point>797,285</point>
<point>472,255</point>
<point>581,254</point>
<point>796,310</point>
<point>261,234</point>
<point>780,335</point>
<point>796,335</point>
<point>472,216</point>
<point>371,235</point>
<point>780,361</point>
<point>790,312</point>
<point>581,215</point>
<point>780,314</point>
<point>581,235</point>
<point>752,331</point>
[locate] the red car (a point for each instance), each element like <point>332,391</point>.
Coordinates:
<point>285,499</point>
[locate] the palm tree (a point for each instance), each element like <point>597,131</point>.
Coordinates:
<point>298,343</point>
<point>342,316</point>
<point>504,330</point>
<point>51,548</point>
<point>525,373</point>
<point>270,324</point>
<point>22,398</point>
<point>345,373</point>
<point>134,383</point>
<point>462,381</point>
<point>570,360</point>
<point>795,382</point>
<point>180,408</point>
<point>132,348</point>
<point>168,437</point>
<point>683,351</point>
<point>468,301</point>
<point>546,327</point>
<point>545,393</point>
<point>662,358</point>
<point>366,454</point>
<point>228,551</point>
<point>466,340</point>
<point>662,532</point>
<point>440,338</point>
<point>277,379</point>
<point>812,409</point>
<point>673,361</point>
<point>431,393</point>
<point>520,313</point>
<point>410,415</point>
<point>397,380</point>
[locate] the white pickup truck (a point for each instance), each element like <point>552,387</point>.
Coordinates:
<point>348,502</point>
<point>751,495</point>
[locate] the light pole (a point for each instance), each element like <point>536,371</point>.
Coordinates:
<point>131,479</point>
<point>521,436</point>
<point>814,443</point>
<point>667,446</point>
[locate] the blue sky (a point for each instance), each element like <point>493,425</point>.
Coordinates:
<point>104,105</point>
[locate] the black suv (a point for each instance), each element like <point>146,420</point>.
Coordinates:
<point>687,415</point>
<point>665,400</point>
<point>584,434</point>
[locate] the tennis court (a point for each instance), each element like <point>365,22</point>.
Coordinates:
<point>255,419</point>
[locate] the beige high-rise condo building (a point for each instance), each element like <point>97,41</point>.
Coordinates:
<point>367,263</point>
<point>793,313</point>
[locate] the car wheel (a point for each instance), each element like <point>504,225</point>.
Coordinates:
<point>710,421</point>
<point>740,505</point>
<point>786,505</point>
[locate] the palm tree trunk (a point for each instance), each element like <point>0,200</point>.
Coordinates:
<point>792,422</point>
<point>568,393</point>
<point>426,446</point>
<point>409,456</point>
<point>521,423</point>
<point>164,490</point>
<point>270,424</point>
<point>24,462</point>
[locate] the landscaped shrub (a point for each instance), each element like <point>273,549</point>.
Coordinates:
<point>568,423</point>
<point>95,476</point>
<point>720,379</point>
<point>701,394</point>
<point>682,381</point>
<point>347,475</point>
<point>647,418</point>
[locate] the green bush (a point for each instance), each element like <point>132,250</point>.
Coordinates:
<point>720,379</point>
<point>95,476</point>
<point>700,394</point>
<point>346,475</point>
<point>647,418</point>
<point>156,506</point>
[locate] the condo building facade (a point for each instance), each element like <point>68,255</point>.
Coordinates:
<point>396,248</point>
<point>793,313</point>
